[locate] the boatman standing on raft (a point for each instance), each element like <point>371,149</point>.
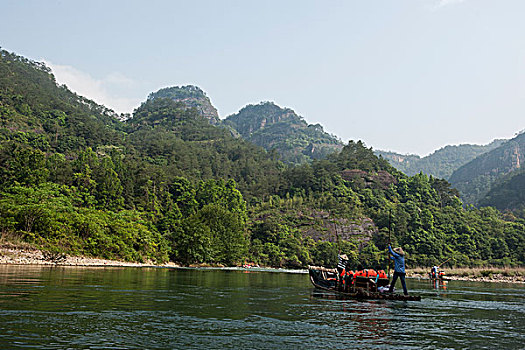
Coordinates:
<point>398,255</point>
<point>341,265</point>
<point>341,271</point>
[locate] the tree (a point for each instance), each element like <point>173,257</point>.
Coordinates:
<point>21,164</point>
<point>192,242</point>
<point>227,233</point>
<point>324,254</point>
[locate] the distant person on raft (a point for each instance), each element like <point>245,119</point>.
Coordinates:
<point>434,272</point>
<point>398,255</point>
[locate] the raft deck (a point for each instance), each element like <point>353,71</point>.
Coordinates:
<point>359,293</point>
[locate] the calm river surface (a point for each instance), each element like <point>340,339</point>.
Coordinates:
<point>159,308</point>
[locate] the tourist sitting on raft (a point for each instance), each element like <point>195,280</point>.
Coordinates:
<point>398,255</point>
<point>348,279</point>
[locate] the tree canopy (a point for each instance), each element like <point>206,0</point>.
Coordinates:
<point>166,184</point>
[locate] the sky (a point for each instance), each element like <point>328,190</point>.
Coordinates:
<point>409,76</point>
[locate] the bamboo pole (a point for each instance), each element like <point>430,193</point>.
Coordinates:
<point>444,262</point>
<point>389,242</point>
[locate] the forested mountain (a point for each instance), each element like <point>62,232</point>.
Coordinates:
<point>475,179</point>
<point>192,97</point>
<point>281,129</point>
<point>441,163</point>
<point>34,110</point>
<point>180,142</point>
<point>508,192</point>
<point>167,185</point>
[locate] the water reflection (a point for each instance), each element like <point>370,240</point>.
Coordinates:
<point>45,307</point>
<point>438,284</point>
<point>361,320</point>
<point>372,321</point>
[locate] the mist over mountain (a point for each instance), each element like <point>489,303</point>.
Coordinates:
<point>485,175</point>
<point>475,179</point>
<point>441,163</point>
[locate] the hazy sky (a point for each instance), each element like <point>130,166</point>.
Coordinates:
<point>408,76</point>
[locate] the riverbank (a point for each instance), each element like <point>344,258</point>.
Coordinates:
<point>478,274</point>
<point>11,254</point>
<point>24,254</point>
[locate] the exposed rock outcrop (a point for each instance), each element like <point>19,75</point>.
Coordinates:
<point>193,97</point>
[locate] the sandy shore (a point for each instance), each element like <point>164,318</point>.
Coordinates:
<point>14,255</point>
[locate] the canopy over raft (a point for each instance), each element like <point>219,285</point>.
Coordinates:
<point>359,285</point>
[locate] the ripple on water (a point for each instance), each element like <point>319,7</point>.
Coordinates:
<point>228,309</point>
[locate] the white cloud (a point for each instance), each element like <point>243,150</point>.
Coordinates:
<point>98,90</point>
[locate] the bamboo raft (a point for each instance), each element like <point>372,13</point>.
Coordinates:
<point>362,288</point>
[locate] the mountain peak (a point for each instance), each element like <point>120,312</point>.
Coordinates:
<point>192,96</point>
<point>269,106</point>
<point>178,92</point>
<point>278,128</point>
<point>252,118</point>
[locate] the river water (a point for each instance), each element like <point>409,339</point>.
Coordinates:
<point>160,308</point>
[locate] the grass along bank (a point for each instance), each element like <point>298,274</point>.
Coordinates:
<point>483,274</point>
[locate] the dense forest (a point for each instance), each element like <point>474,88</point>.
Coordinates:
<point>166,184</point>
<point>507,193</point>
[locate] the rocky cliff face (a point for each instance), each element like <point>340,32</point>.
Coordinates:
<point>333,230</point>
<point>254,118</point>
<point>191,96</point>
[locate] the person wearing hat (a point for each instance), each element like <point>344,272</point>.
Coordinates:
<point>434,272</point>
<point>398,255</point>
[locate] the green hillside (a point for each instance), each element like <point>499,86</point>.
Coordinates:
<point>38,112</point>
<point>281,129</point>
<point>441,163</point>
<point>168,185</point>
<point>475,179</point>
<point>507,193</point>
